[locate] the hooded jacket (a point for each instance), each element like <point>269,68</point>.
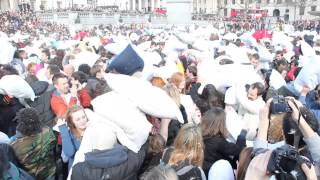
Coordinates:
<point>118,163</point>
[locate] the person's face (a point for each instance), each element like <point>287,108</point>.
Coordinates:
<point>75,82</point>
<point>252,93</point>
<point>24,55</point>
<point>44,57</point>
<point>79,120</point>
<point>278,56</point>
<point>254,61</point>
<point>33,70</point>
<point>62,85</point>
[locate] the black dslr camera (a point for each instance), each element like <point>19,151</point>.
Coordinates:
<point>280,105</point>
<point>286,161</point>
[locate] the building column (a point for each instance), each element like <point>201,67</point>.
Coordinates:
<point>139,5</point>
<point>156,5</point>
<point>133,5</point>
<point>152,5</point>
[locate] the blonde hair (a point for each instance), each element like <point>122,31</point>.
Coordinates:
<point>188,145</point>
<point>173,92</point>
<point>176,79</point>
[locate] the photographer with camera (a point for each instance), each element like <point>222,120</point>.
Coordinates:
<point>300,130</point>
<point>307,127</point>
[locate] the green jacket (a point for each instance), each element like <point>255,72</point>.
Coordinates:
<point>35,153</point>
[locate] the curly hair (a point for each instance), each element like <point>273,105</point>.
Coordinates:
<point>28,121</point>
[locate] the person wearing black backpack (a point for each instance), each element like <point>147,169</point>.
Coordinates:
<point>186,155</point>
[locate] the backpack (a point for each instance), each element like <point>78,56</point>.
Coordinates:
<point>185,170</point>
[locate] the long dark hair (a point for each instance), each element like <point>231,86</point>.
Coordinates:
<point>211,97</point>
<point>244,161</point>
<point>213,123</point>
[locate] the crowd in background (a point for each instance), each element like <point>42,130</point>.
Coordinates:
<point>133,102</point>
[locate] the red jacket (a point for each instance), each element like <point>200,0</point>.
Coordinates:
<point>58,105</point>
<point>85,98</point>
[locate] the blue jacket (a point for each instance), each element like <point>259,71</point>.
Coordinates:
<point>310,102</point>
<point>70,144</point>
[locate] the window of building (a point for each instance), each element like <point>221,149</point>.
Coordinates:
<point>289,1</point>
<point>233,1</point>
<point>267,1</point>
<point>225,2</point>
<point>301,10</point>
<point>287,10</point>
<point>279,1</point>
<point>313,8</point>
<point>225,12</point>
<point>241,1</point>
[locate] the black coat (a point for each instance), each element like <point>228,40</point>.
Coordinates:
<point>217,148</point>
<point>8,112</point>
<point>127,170</point>
<point>174,126</point>
<point>43,107</point>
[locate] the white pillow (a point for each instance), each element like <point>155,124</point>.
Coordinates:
<point>191,109</point>
<point>117,108</point>
<point>96,119</point>
<point>16,86</point>
<point>149,99</point>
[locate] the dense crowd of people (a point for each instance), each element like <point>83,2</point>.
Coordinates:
<point>179,102</point>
